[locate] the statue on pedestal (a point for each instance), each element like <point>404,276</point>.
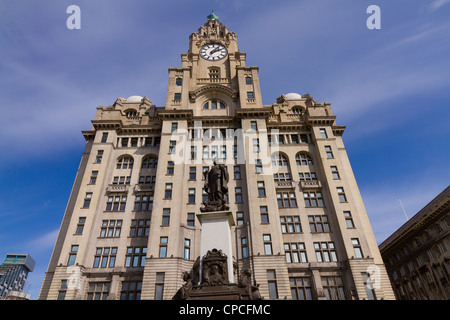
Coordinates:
<point>216,181</point>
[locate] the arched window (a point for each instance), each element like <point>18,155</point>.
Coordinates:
<point>280,166</point>
<point>131,113</point>
<point>214,104</point>
<point>297,110</point>
<point>279,160</point>
<point>125,162</point>
<point>149,162</point>
<point>303,159</point>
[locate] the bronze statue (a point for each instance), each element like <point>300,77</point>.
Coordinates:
<point>216,181</point>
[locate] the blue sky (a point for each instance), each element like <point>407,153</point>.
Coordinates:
<point>390,87</point>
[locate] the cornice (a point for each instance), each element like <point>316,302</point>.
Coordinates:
<point>320,120</point>
<point>253,112</point>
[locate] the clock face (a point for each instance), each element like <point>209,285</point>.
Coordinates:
<point>213,52</point>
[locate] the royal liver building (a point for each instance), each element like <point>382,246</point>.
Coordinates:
<point>296,226</point>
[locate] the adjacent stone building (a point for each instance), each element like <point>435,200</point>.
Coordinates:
<point>130,229</point>
<point>417,254</point>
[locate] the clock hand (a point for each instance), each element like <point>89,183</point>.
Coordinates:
<point>214,50</point>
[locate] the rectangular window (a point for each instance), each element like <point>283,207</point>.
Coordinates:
<point>135,257</point>
<point>261,189</point>
<point>191,196</point>
<point>329,152</point>
<point>168,191</point>
<point>134,142</point>
<point>80,225</point>
<point>357,248</point>
<point>193,152</point>
<point>295,252</point>
<point>267,244</point>
<point>258,166</point>
<point>272,282</point>
<point>116,203</point>
<point>187,249</point>
<point>250,95</point>
<point>244,247</point>
<point>104,137</point>
<point>110,228</point>
<point>325,251</point>
<point>166,217</point>
<point>148,142</point>
<point>248,80</point>
<point>290,224</point>
<point>191,219</point>
<point>98,158</point>
<point>72,255</point>
<point>294,139</point>
<point>87,200</point>
<point>300,288</point>
<point>94,175</point>
<point>341,194</point>
<point>238,195</point>
<point>131,290</point>
<point>140,228</point>
<point>323,133</point>
<point>333,288</point>
<point>237,172</point>
<point>170,167</point>
<point>177,96</point>
<point>159,286</point>
<point>98,290</point>
<point>313,199</point>
<point>255,145</point>
<point>319,224</point>
<point>205,152</point>
<point>254,125</point>
<point>369,286</point>
<point>303,138</point>
<point>63,290</point>
<point>172,145</point>
<point>124,142</point>
<point>335,172</point>
<point>239,218</point>
<point>264,214</point>
<point>105,257</point>
<point>349,219</point>
<point>143,202</point>
<point>174,127</point>
<point>286,199</point>
<point>163,247</point>
<point>192,173</point>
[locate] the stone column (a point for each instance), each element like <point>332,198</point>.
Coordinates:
<point>216,234</point>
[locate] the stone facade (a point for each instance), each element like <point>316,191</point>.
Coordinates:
<point>130,225</point>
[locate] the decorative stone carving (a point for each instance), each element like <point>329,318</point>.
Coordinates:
<point>214,268</point>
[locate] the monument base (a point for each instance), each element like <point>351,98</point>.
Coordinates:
<point>221,292</point>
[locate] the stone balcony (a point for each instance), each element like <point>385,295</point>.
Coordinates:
<point>144,187</point>
<point>118,188</point>
<point>285,184</point>
<point>315,184</point>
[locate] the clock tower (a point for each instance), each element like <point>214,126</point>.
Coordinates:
<point>213,79</point>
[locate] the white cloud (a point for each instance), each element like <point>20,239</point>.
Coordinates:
<point>43,242</point>
<point>436,4</point>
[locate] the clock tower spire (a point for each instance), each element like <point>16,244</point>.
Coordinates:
<point>213,79</point>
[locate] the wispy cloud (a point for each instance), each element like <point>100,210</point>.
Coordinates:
<point>436,4</point>
<point>384,209</point>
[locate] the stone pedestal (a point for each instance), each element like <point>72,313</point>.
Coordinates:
<point>216,234</point>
